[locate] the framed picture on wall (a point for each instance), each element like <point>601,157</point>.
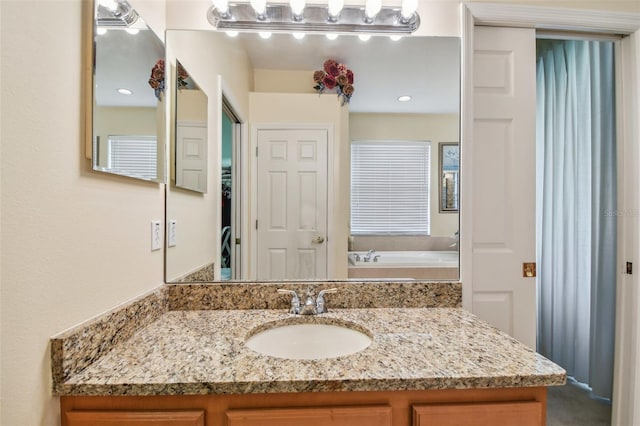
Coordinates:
<point>449,182</point>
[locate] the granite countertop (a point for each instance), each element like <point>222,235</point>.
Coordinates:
<point>203,352</point>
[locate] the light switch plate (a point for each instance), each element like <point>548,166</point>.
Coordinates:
<point>156,235</point>
<point>171,237</point>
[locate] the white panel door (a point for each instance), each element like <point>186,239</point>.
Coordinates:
<point>503,200</point>
<point>292,204</point>
<point>191,156</point>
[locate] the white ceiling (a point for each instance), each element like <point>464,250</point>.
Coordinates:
<point>125,60</point>
<point>427,68</point>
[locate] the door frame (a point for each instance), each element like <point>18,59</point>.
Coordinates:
<point>627,350</point>
<point>253,166</point>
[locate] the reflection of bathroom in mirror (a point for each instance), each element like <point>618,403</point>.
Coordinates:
<point>449,163</point>
<point>269,85</point>
<point>128,83</point>
<point>189,148</point>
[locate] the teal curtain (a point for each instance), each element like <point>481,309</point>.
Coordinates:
<point>576,208</point>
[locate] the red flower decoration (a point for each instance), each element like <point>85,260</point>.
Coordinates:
<point>336,76</point>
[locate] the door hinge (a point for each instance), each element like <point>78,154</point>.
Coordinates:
<point>529,270</point>
<point>256,224</point>
<point>237,241</point>
<point>256,151</point>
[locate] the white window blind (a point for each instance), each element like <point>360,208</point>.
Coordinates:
<point>390,187</point>
<point>133,156</point>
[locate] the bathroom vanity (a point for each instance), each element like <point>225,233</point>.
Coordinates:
<point>178,356</point>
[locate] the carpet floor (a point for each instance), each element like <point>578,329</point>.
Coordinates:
<point>571,405</point>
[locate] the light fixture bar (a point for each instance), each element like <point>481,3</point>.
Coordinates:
<point>278,18</point>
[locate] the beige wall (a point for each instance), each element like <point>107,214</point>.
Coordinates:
<point>435,128</point>
<point>74,242</point>
<point>198,215</point>
<point>60,221</point>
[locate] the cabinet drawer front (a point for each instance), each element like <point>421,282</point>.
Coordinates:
<point>135,418</point>
<point>522,413</point>
<point>321,416</point>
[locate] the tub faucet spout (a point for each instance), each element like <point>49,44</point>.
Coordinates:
<point>370,253</point>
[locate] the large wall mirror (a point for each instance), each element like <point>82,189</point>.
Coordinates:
<point>293,154</point>
<point>127,116</point>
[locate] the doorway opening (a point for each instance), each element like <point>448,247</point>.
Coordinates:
<point>230,259</point>
<point>576,206</point>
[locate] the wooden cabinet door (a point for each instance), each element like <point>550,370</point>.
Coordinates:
<point>521,413</point>
<point>322,416</point>
<point>135,418</point>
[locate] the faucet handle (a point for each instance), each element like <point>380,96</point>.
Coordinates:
<point>321,307</point>
<point>295,300</point>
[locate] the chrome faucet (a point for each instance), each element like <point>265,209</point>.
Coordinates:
<point>295,300</point>
<point>367,257</point>
<point>311,306</point>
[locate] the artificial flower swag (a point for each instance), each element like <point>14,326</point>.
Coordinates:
<point>335,76</point>
<point>156,81</point>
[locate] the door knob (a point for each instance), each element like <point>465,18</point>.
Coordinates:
<point>318,240</point>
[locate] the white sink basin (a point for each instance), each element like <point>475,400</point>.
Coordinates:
<point>308,341</point>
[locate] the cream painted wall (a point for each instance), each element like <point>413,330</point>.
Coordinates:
<point>435,128</point>
<point>289,81</point>
<point>307,109</point>
<point>74,242</point>
<point>198,215</point>
<point>59,220</point>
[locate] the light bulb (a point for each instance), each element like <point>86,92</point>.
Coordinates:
<point>232,33</point>
<point>112,5</point>
<point>125,91</point>
<point>409,7</point>
<point>260,6</point>
<point>364,37</point>
<point>264,34</point>
<point>133,31</point>
<point>222,6</point>
<point>372,7</point>
<point>395,37</point>
<point>101,30</point>
<point>332,36</point>
<point>298,36</point>
<point>297,7</point>
<point>335,6</point>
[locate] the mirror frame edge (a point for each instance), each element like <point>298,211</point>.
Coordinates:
<point>88,50</point>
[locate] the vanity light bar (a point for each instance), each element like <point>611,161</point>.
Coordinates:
<point>280,18</point>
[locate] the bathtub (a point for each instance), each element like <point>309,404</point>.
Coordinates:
<point>405,264</point>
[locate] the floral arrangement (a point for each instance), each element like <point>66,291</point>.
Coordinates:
<point>335,76</point>
<point>183,75</point>
<point>156,81</point>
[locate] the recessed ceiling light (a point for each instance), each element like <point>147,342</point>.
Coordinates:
<point>133,31</point>
<point>395,37</point>
<point>232,33</point>
<point>404,98</point>
<point>264,34</point>
<point>298,36</point>
<point>125,92</point>
<point>364,37</point>
<point>332,36</point>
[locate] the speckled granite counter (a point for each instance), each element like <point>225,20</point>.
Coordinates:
<point>203,352</point>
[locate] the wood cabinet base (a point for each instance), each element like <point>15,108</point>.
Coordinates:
<point>509,406</point>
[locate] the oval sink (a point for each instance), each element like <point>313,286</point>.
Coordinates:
<point>308,341</point>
